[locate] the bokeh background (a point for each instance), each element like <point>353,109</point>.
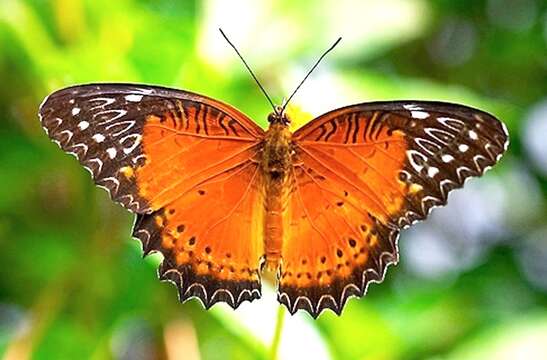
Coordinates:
<point>472,281</point>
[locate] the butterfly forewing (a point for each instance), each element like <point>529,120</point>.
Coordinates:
<point>171,156</point>
<point>103,126</point>
<point>362,173</point>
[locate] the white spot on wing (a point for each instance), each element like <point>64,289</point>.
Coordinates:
<point>98,138</point>
<point>473,135</point>
<point>463,148</point>
<point>83,125</point>
<point>412,107</point>
<point>133,97</point>
<point>75,111</point>
<point>111,152</point>
<point>447,158</point>
<point>432,171</point>
<point>419,114</point>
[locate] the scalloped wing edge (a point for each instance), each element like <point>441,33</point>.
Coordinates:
<point>190,285</point>
<point>368,275</point>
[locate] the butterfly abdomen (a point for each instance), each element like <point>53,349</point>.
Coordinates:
<point>275,165</point>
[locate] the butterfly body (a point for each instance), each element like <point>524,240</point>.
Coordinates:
<point>217,195</point>
<point>276,165</point>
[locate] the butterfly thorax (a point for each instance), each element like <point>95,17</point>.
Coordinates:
<point>276,164</point>
<point>276,154</point>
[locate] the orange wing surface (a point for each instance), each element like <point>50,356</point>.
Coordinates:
<point>187,165</point>
<point>362,173</point>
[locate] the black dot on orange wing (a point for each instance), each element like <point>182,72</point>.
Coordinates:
<point>352,242</point>
<point>180,228</point>
<point>192,240</point>
<point>339,253</point>
<point>201,192</point>
<point>403,176</point>
<point>323,259</point>
<point>207,250</point>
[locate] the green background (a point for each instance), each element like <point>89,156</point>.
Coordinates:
<point>472,281</point>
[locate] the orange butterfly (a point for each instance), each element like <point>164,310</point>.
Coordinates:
<point>221,198</point>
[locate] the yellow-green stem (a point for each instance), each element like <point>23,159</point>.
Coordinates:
<point>277,334</point>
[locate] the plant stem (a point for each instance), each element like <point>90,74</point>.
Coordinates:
<point>277,334</point>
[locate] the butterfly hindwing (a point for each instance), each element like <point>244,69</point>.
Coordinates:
<point>211,237</point>
<point>361,174</point>
<point>180,160</point>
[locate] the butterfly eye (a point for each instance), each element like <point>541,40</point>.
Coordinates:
<point>286,120</point>
<point>271,118</point>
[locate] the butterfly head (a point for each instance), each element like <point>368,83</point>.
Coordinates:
<point>279,116</point>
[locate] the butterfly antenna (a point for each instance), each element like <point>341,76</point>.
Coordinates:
<point>248,68</point>
<point>309,72</point>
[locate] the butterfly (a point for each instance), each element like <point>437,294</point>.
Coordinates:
<point>222,199</point>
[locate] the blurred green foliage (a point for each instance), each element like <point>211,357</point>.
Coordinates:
<point>73,285</point>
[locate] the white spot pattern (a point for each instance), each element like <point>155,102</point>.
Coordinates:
<point>82,125</point>
<point>111,152</point>
<point>432,171</point>
<point>473,135</point>
<point>133,97</point>
<point>419,114</point>
<point>447,158</point>
<point>99,138</point>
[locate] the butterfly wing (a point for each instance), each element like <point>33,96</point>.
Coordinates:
<point>361,174</point>
<point>186,164</point>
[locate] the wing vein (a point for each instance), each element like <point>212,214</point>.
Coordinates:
<point>211,137</point>
<point>182,179</point>
<point>349,182</point>
<point>306,210</point>
<point>246,192</point>
<point>326,143</point>
<point>321,189</point>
